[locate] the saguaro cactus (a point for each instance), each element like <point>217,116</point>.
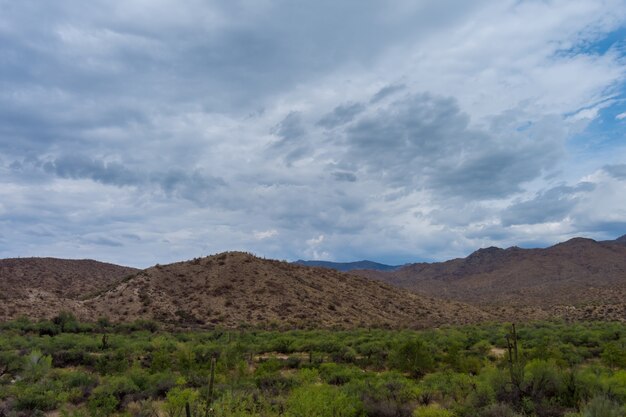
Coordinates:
<point>209,399</point>
<point>516,368</point>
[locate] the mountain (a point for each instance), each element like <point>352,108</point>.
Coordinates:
<point>348,266</point>
<point>577,279</point>
<point>40,287</point>
<point>621,239</point>
<point>234,289</point>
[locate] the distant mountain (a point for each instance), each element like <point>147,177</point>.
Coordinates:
<point>348,266</point>
<point>233,289</point>
<point>577,279</point>
<point>41,287</point>
<point>621,239</point>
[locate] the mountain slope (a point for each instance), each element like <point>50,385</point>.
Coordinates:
<point>41,287</point>
<point>234,289</point>
<point>348,266</point>
<point>580,278</point>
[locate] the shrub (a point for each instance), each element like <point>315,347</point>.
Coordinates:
<point>412,356</point>
<point>35,397</point>
<point>102,404</point>
<point>432,411</point>
<point>322,401</point>
<point>601,406</point>
<point>36,366</point>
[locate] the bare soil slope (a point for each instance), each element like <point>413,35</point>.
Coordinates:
<point>234,289</point>
<point>577,279</point>
<point>41,287</point>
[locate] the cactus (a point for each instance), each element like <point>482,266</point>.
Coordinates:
<point>516,368</point>
<point>209,398</point>
<point>105,342</point>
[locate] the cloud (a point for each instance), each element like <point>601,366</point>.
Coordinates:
<point>341,115</point>
<point>426,141</point>
<point>77,167</point>
<point>416,129</point>
<point>617,171</point>
<point>266,234</point>
<point>387,91</point>
<point>191,185</point>
<point>344,176</point>
<point>550,205</point>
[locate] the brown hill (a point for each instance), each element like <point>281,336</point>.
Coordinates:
<point>577,279</point>
<point>41,287</point>
<point>234,289</point>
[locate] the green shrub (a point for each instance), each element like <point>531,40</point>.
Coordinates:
<point>34,397</point>
<point>412,356</point>
<point>335,374</point>
<point>36,366</point>
<point>602,406</point>
<point>241,405</point>
<point>322,401</point>
<point>102,404</point>
<point>432,411</point>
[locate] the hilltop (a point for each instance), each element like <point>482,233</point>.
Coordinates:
<point>580,278</point>
<point>233,289</point>
<point>40,287</point>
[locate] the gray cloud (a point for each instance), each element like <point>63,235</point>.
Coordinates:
<point>80,167</point>
<point>426,141</point>
<point>150,135</point>
<point>387,91</point>
<point>344,176</point>
<point>617,171</point>
<point>188,184</point>
<point>292,144</point>
<point>102,241</point>
<point>341,115</point>
<point>548,206</point>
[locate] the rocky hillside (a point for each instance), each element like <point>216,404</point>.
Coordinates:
<point>234,289</point>
<point>580,278</point>
<point>40,287</point>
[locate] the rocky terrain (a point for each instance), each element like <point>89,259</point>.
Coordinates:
<point>234,289</point>
<point>577,279</point>
<point>228,290</point>
<point>580,279</point>
<point>41,287</point>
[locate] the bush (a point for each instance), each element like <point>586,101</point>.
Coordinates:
<point>322,401</point>
<point>102,404</point>
<point>432,411</point>
<point>412,356</point>
<point>602,406</point>
<point>36,397</point>
<point>36,366</point>
<point>239,405</point>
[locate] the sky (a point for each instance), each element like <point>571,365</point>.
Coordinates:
<point>141,132</point>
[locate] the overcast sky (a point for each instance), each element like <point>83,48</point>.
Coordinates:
<point>145,131</point>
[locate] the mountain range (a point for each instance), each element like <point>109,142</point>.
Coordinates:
<point>348,266</point>
<point>580,279</point>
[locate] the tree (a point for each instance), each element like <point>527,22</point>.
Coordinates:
<point>412,356</point>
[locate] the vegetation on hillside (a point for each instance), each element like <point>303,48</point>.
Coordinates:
<point>96,369</point>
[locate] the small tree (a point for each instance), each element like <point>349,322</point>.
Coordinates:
<point>65,321</point>
<point>36,366</point>
<point>412,356</point>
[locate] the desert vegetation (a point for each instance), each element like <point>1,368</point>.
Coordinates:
<point>69,368</point>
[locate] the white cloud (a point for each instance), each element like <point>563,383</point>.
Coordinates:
<point>266,234</point>
<point>169,132</point>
